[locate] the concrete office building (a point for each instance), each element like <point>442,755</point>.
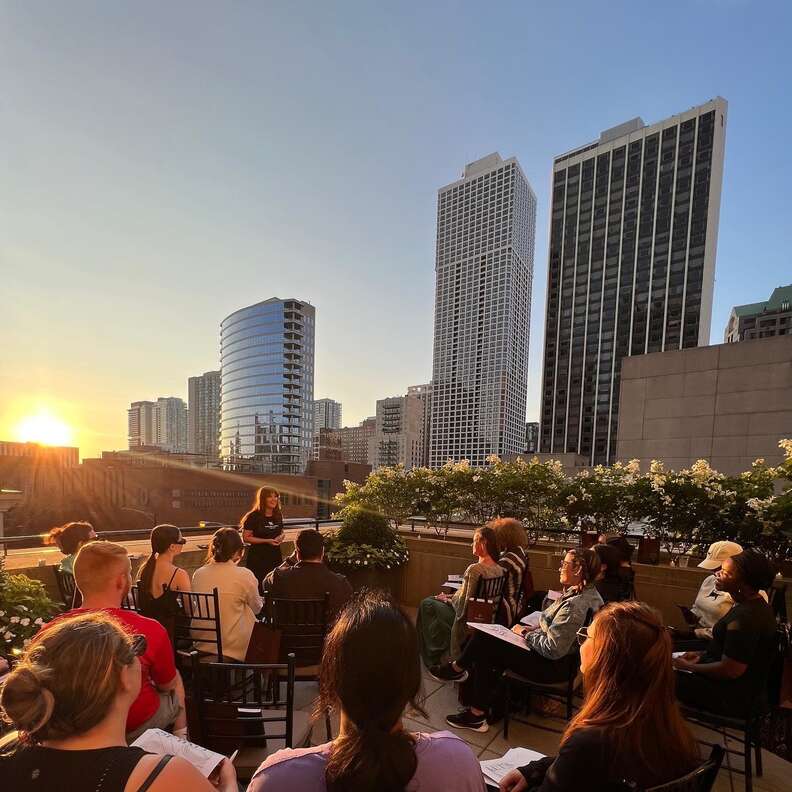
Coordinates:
<point>728,404</point>
<point>531,437</point>
<point>484,271</point>
<point>400,437</point>
<point>170,424</point>
<point>355,441</point>
<point>633,234</point>
<point>203,414</point>
<point>141,424</point>
<point>267,382</point>
<point>761,320</point>
<point>326,415</point>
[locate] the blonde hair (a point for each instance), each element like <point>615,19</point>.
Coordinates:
<point>96,563</point>
<point>68,677</point>
<point>510,534</point>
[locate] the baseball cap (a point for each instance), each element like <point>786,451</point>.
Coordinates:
<point>718,552</point>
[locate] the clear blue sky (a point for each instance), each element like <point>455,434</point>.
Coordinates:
<point>162,164</point>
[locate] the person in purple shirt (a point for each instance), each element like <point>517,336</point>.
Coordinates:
<point>371,672</point>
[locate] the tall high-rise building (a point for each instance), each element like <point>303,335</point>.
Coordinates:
<point>484,271</point>
<point>141,424</point>
<point>267,382</point>
<point>531,437</point>
<point>203,414</point>
<point>170,420</point>
<point>419,451</point>
<point>355,441</point>
<point>633,233</point>
<point>327,414</point>
<point>399,437</point>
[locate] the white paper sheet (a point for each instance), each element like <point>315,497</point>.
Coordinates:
<point>455,578</point>
<point>158,741</point>
<point>452,584</point>
<point>499,631</point>
<point>495,769</point>
<point>553,595</point>
<point>532,619</point>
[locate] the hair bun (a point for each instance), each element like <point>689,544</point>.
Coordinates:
<point>26,701</point>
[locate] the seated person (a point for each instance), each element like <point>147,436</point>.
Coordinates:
<point>104,576</point>
<point>625,550</point>
<point>610,583</point>
<point>441,619</point>
<point>310,575</point>
<point>512,541</point>
<point>70,538</point>
<point>711,604</point>
<point>629,728</point>
<point>486,656</point>
<point>729,677</point>
<point>69,697</point>
<point>159,578</point>
<point>238,590</point>
<point>370,673</point>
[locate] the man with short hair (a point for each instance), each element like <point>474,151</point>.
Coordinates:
<point>310,575</point>
<point>103,574</point>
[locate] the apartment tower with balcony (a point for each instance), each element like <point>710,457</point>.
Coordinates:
<point>267,387</point>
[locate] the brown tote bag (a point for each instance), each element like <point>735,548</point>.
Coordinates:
<point>264,644</point>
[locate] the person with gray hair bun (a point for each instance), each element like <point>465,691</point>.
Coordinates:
<point>68,699</point>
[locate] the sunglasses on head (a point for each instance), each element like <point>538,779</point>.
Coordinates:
<point>139,645</point>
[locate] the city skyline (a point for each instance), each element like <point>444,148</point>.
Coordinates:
<point>142,176</point>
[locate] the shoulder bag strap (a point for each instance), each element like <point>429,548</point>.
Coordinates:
<point>152,776</point>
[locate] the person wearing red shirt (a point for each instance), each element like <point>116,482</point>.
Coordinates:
<point>103,574</point>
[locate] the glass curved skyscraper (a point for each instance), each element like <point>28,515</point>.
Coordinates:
<point>266,400</point>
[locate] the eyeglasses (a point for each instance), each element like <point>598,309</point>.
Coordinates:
<point>565,564</point>
<point>582,635</point>
<point>139,645</point>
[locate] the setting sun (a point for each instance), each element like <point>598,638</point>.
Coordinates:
<point>46,429</point>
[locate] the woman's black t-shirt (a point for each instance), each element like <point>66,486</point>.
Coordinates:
<point>263,558</point>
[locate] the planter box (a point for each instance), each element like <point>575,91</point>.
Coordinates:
<point>391,580</point>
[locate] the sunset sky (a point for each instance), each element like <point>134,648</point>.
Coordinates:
<point>163,164</point>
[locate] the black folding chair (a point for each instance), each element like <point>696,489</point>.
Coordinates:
<point>748,727</point>
<point>702,779</point>
<point>562,691</point>
<point>231,706</point>
<point>489,590</point>
<point>302,622</point>
<point>201,624</point>
<point>132,601</point>
<point>67,587</point>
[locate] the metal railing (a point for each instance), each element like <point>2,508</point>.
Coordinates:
<point>38,540</point>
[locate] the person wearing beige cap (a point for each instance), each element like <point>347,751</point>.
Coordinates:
<point>711,605</point>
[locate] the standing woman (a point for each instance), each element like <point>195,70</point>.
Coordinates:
<point>262,529</point>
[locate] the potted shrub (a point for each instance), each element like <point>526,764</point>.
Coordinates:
<point>24,607</point>
<point>367,550</point>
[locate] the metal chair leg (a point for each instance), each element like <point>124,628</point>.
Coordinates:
<point>507,709</point>
<point>748,746</point>
<point>758,750</point>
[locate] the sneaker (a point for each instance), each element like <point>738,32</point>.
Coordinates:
<point>467,720</point>
<point>446,673</point>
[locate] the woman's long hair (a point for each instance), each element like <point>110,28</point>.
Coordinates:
<point>489,540</point>
<point>225,544</point>
<point>259,504</point>
<point>371,670</point>
<point>630,692</point>
<point>162,537</point>
<point>67,679</point>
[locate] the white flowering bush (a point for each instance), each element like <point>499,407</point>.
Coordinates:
<point>24,607</point>
<point>365,540</point>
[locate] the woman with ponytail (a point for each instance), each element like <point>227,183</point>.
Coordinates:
<point>68,697</point>
<point>159,578</point>
<point>370,673</point>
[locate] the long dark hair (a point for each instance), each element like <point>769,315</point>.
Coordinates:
<point>259,504</point>
<point>629,689</point>
<point>489,540</point>
<point>370,669</point>
<point>162,537</point>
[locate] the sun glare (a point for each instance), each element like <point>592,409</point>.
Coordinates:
<point>44,428</point>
